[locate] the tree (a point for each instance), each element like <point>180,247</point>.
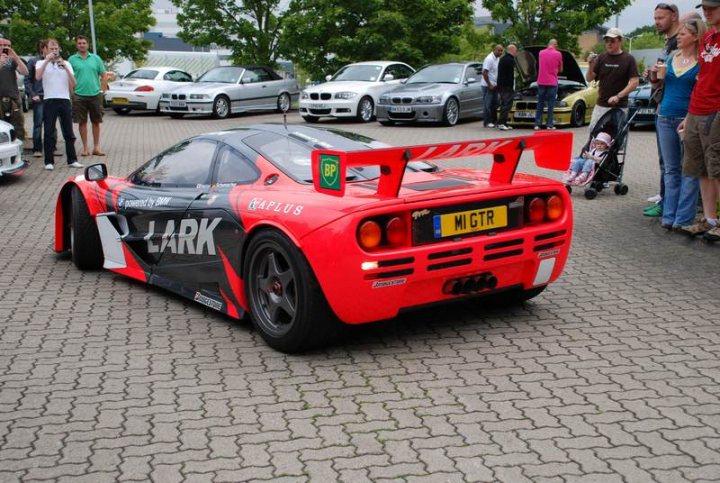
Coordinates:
<point>323,35</point>
<point>116,23</point>
<point>249,28</point>
<point>535,22</point>
<point>474,44</point>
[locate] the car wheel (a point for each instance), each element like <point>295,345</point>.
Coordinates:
<point>387,123</point>
<point>283,102</point>
<point>85,243</point>
<point>515,296</point>
<point>365,110</point>
<point>176,116</point>
<point>451,113</point>
<point>311,119</point>
<point>221,107</point>
<point>578,115</point>
<point>287,306</point>
<point>122,111</point>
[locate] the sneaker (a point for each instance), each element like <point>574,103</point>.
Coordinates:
<point>666,226</point>
<point>537,128</point>
<point>490,125</point>
<point>653,211</point>
<point>503,127</point>
<point>37,154</point>
<point>581,179</point>
<point>570,177</point>
<point>75,164</point>
<point>712,235</point>
<point>49,167</point>
<point>655,199</point>
<point>697,228</point>
<point>552,128</point>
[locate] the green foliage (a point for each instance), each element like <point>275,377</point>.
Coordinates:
<point>647,29</point>
<point>323,35</point>
<point>116,23</point>
<point>474,44</point>
<point>249,28</point>
<point>648,40</point>
<point>535,22</point>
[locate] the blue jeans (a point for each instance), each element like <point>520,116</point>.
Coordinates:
<point>660,160</point>
<point>681,192</point>
<point>581,164</point>
<point>37,108</point>
<point>545,94</point>
<point>490,105</point>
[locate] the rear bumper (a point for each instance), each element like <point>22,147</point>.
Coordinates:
<point>528,257</point>
<point>132,100</point>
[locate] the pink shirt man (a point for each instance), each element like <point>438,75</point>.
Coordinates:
<point>550,65</point>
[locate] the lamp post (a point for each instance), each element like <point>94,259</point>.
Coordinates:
<point>92,27</point>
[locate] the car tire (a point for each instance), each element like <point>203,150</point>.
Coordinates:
<point>311,119</point>
<point>221,107</point>
<point>451,112</point>
<point>365,110</point>
<point>85,245</point>
<point>387,123</point>
<point>283,100</point>
<point>515,296</point>
<point>287,306</point>
<point>122,111</point>
<point>577,118</point>
<point>176,116</point>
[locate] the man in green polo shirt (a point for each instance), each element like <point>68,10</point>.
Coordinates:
<point>87,99</point>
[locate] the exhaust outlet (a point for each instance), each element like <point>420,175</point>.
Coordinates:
<point>492,282</point>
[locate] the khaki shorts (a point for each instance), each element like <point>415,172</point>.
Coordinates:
<point>702,146</point>
<point>82,106</point>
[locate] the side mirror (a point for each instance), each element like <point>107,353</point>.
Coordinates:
<point>403,81</point>
<point>96,172</point>
<point>328,77</point>
<point>388,77</point>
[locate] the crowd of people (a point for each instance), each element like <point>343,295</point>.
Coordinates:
<point>60,90</point>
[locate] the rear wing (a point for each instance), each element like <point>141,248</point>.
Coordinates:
<point>329,167</point>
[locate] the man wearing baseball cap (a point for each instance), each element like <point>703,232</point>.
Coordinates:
<point>617,73</point>
<point>702,127</point>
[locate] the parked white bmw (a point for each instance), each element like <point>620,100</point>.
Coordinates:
<point>353,91</point>
<point>141,89</point>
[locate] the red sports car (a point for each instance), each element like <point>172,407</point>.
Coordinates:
<point>302,227</point>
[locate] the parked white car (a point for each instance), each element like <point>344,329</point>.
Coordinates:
<point>141,89</point>
<point>353,91</point>
<point>11,162</point>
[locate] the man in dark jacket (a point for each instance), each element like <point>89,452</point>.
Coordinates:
<point>10,105</point>
<point>34,90</point>
<point>506,85</point>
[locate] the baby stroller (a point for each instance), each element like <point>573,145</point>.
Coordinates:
<point>610,169</point>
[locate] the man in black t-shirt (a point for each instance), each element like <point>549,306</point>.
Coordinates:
<point>617,74</point>
<point>506,85</point>
<point>10,104</point>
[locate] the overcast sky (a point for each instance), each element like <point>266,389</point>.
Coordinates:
<point>638,14</point>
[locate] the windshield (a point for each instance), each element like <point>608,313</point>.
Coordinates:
<point>450,74</point>
<point>224,75</point>
<point>146,74</point>
<point>366,73</point>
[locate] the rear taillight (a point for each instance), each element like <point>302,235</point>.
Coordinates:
<point>383,232</point>
<point>542,208</point>
<point>145,89</point>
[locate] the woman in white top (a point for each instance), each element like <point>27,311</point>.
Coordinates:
<point>58,82</point>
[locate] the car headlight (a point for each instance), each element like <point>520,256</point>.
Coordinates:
<point>304,95</point>
<point>199,96</point>
<point>384,100</point>
<point>561,104</point>
<point>345,95</point>
<point>428,99</point>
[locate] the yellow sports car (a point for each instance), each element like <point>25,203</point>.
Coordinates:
<point>575,100</point>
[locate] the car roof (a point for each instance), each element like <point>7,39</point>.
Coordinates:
<point>378,62</point>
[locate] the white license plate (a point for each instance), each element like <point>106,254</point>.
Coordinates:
<point>178,104</point>
<point>400,109</point>
<point>646,110</point>
<point>525,115</point>
<point>319,106</point>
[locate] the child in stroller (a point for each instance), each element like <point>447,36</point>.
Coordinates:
<point>582,168</point>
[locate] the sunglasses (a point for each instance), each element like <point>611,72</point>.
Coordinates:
<point>667,6</point>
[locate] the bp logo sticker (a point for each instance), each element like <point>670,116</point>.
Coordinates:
<point>330,172</point>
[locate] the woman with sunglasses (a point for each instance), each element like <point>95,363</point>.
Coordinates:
<point>681,192</point>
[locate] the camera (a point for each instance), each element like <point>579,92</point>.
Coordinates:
<point>6,50</point>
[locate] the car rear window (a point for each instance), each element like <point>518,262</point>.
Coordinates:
<point>147,74</point>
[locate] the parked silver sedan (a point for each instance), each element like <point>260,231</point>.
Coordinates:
<point>227,90</point>
<point>443,93</point>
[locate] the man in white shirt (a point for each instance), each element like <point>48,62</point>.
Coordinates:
<point>488,85</point>
<point>58,82</point>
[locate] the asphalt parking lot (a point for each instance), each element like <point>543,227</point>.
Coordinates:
<point>611,375</point>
